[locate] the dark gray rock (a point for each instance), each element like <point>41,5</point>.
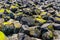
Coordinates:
<point>28,21</point>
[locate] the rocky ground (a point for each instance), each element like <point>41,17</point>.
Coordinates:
<point>29,20</point>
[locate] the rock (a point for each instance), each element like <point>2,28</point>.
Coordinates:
<point>37,11</point>
<point>57,20</point>
<point>28,21</point>
<point>57,35</point>
<point>21,36</point>
<point>1,20</point>
<point>45,25</point>
<point>34,31</point>
<point>17,24</point>
<point>8,30</point>
<point>13,37</point>
<point>11,15</point>
<point>2,36</point>
<point>26,37</point>
<point>47,36</point>
<point>40,20</point>
<point>10,22</point>
<point>25,27</point>
<point>32,38</point>
<point>35,39</point>
<point>56,26</point>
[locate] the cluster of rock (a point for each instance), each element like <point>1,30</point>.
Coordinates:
<point>30,21</point>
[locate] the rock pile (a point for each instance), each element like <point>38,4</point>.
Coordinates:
<point>30,21</point>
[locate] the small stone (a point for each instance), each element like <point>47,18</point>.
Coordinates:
<point>28,20</point>
<point>21,36</point>
<point>47,36</point>
<point>17,24</point>
<point>1,20</point>
<point>13,37</point>
<point>34,32</point>
<point>25,27</point>
<point>45,25</point>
